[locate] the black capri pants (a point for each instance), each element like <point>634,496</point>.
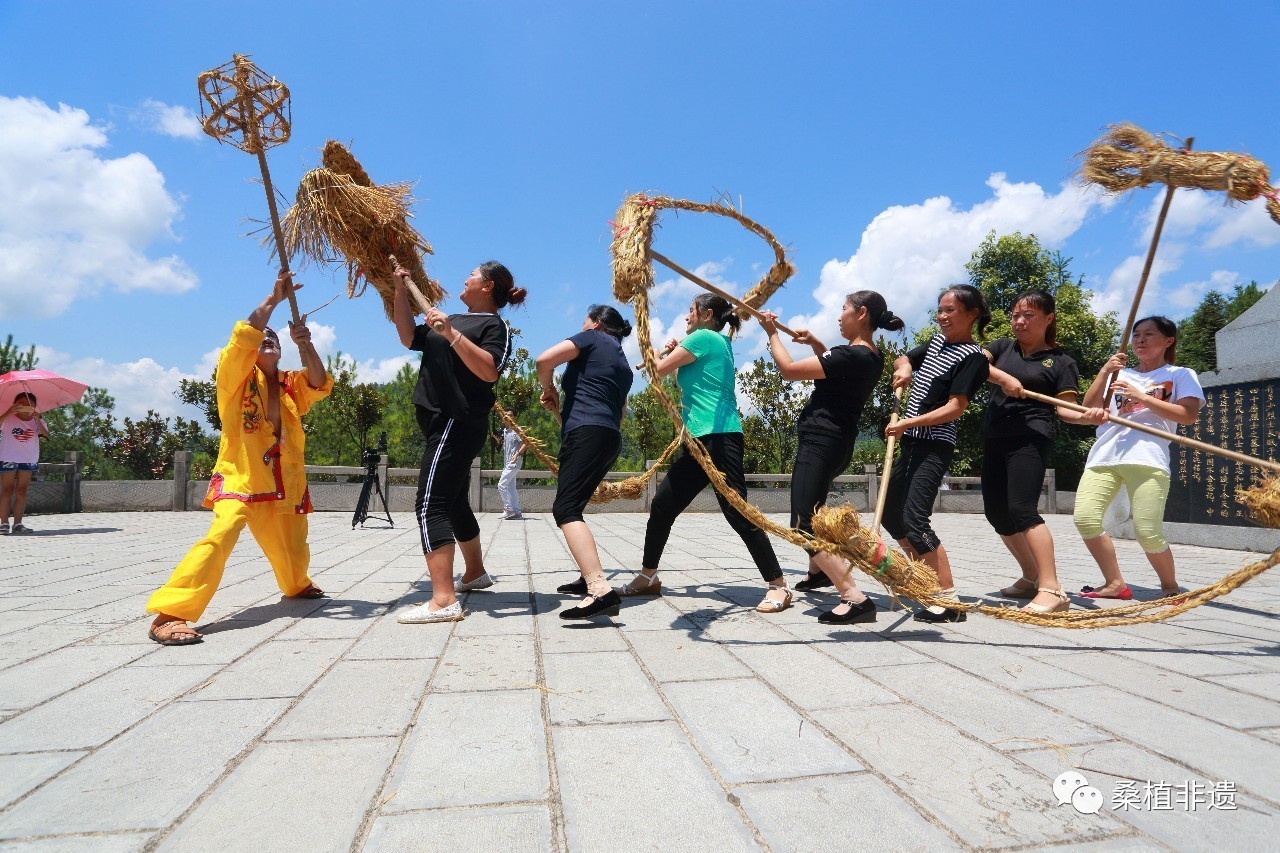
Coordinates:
<point>682,484</point>
<point>442,506</point>
<point>820,458</point>
<point>1012,475</point>
<point>586,455</point>
<point>912,488</point>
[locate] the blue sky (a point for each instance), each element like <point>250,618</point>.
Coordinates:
<point>880,141</point>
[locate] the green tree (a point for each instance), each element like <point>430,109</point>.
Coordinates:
<point>338,427</point>
<point>85,426</point>
<point>1197,333</point>
<point>13,358</point>
<point>145,448</point>
<point>647,428</point>
<point>405,443</point>
<point>769,430</point>
<point>203,394</point>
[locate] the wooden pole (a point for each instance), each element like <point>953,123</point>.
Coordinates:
<point>1146,272</point>
<point>706,285</point>
<point>249,115</point>
<point>423,304</point>
<point>1156,431</point>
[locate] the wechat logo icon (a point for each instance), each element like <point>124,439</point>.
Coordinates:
<point>1071,787</point>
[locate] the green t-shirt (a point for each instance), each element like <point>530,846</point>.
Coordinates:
<point>707,395</point>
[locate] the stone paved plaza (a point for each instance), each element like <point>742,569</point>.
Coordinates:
<point>690,722</point>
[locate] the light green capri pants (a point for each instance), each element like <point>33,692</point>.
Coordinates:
<point>1148,489</point>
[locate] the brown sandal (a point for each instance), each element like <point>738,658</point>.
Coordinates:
<point>312,591</point>
<point>175,632</point>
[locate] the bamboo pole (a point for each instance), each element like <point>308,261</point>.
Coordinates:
<point>1156,431</point>
<point>1146,273</point>
<point>888,463</point>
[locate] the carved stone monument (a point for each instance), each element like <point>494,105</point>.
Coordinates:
<point>1242,413</point>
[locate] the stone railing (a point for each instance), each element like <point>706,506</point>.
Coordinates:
<point>68,492</point>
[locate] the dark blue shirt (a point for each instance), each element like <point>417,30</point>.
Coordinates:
<point>596,383</point>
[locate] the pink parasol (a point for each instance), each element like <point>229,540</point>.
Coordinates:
<point>49,389</point>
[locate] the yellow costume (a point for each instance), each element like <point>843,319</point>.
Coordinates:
<point>259,481</point>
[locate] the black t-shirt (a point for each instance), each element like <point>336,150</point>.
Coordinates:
<point>596,383</point>
<point>1048,372</point>
<point>942,371</point>
<point>445,385</point>
<point>837,401</point>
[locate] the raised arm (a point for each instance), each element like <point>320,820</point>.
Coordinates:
<point>806,368</point>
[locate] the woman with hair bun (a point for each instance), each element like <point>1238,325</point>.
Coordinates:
<point>704,367</point>
<point>595,383</point>
<point>946,370</point>
<point>462,357</point>
<point>844,378</point>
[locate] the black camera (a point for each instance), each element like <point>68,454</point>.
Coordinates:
<point>373,455</point>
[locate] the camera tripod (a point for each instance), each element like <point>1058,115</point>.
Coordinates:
<point>372,485</point>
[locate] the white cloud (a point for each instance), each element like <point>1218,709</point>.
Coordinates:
<point>72,222</point>
<point>910,252</point>
<point>136,386</point>
<point>1180,301</point>
<point>1208,218</point>
<point>381,370</point>
<point>323,339</point>
<point>171,120</point>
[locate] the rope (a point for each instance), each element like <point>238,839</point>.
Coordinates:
<point>837,529</point>
<point>631,488</point>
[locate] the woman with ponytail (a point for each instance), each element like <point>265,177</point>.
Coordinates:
<point>706,375</point>
<point>946,370</point>
<point>595,383</point>
<point>462,357</point>
<point>844,378</point>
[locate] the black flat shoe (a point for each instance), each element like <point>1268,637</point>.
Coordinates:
<point>578,587</point>
<point>863,611</point>
<point>926,615</point>
<point>812,582</point>
<point>608,604</point>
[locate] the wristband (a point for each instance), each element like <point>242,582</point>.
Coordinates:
<point>455,340</point>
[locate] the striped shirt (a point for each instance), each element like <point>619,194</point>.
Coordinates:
<point>942,370</point>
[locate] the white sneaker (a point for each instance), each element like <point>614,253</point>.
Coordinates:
<point>422,614</point>
<point>483,582</point>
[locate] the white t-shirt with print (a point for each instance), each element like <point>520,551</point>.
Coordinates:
<point>1119,445</point>
<point>20,440</point>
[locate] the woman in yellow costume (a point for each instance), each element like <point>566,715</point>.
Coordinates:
<point>259,479</point>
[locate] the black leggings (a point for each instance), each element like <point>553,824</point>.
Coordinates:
<point>913,485</point>
<point>586,455</point>
<point>443,506</point>
<point>820,458</point>
<point>1012,475</point>
<point>682,484</point>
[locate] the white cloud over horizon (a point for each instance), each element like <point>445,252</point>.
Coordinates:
<point>172,120</point>
<point>73,222</point>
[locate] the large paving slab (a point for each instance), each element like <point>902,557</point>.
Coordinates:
<point>688,722</point>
